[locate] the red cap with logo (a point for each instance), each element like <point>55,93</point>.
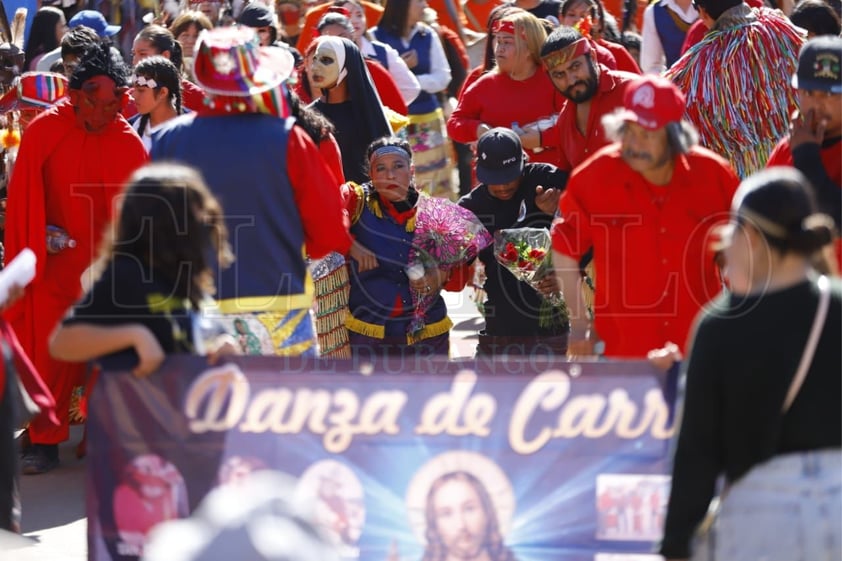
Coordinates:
<point>653,102</point>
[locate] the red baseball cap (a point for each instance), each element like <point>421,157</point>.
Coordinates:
<point>653,102</point>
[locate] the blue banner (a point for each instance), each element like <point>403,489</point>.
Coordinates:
<point>527,460</point>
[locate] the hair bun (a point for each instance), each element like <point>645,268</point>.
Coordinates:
<point>817,230</point>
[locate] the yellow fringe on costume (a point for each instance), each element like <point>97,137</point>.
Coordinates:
<point>379,332</point>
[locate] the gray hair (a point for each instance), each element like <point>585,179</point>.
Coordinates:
<point>681,135</point>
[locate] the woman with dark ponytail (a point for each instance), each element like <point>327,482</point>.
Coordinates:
<point>762,387</point>
<point>156,40</point>
<point>156,90</point>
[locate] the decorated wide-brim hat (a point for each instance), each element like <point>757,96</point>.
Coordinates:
<point>34,90</point>
<point>230,62</point>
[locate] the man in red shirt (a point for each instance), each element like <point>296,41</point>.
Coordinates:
<point>647,206</point>
<point>591,89</point>
<point>72,163</point>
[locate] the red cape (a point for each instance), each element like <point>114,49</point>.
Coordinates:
<point>67,177</point>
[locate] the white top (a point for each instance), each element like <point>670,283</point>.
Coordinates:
<point>404,78</point>
<point>146,137</point>
<point>652,58</point>
<point>439,76</point>
<point>46,61</point>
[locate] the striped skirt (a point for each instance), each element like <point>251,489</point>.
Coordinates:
<point>427,137</point>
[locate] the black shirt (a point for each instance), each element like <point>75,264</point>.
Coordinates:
<point>744,355</point>
<point>545,8</point>
<point>129,292</point>
<point>347,134</point>
<point>512,306</point>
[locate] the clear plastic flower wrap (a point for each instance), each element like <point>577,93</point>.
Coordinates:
<point>446,236</point>
<point>527,254</point>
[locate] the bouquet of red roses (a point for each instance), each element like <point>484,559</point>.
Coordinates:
<point>526,253</point>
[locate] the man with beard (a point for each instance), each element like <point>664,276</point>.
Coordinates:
<point>647,205</point>
<point>71,166</point>
<point>814,144</point>
<point>592,90</point>
<point>462,521</point>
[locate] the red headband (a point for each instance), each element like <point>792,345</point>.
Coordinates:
<point>504,27</point>
<point>339,10</point>
<point>568,53</point>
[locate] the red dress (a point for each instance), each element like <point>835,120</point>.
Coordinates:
<point>66,177</point>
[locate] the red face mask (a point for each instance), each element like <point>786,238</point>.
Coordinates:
<point>97,103</point>
<point>290,14</point>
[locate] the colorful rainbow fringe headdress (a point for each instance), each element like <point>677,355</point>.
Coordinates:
<point>737,83</point>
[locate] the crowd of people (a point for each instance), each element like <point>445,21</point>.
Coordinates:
<point>280,179</point>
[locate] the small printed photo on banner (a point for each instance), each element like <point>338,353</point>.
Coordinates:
<point>460,505</point>
<point>627,557</point>
<point>236,469</point>
<point>151,491</point>
<point>631,507</point>
<point>339,502</point>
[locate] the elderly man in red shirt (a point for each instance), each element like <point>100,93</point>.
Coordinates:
<point>647,206</point>
<point>592,91</point>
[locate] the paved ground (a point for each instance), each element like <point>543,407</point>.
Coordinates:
<point>54,522</point>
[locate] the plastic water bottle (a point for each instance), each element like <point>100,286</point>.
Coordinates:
<point>58,240</point>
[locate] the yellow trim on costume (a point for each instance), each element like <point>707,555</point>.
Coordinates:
<point>365,328</point>
<point>160,304</point>
<point>276,303</point>
<point>396,120</point>
<point>432,330</point>
<point>426,117</point>
<point>379,331</point>
<point>360,194</point>
<point>374,206</point>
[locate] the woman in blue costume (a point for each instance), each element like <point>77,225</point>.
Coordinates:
<point>384,288</point>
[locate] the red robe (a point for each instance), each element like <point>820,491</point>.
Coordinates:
<point>66,177</point>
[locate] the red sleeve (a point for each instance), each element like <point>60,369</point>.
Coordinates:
<point>353,198</point>
<point>390,95</point>
<point>317,196</point>
<point>781,155</point>
<point>329,150</point>
<point>463,122</point>
<point>562,162</point>
<point>695,34</point>
<point>192,96</point>
<point>730,182</point>
<point>571,234</point>
<point>604,56</point>
<point>625,61</point>
<point>472,77</point>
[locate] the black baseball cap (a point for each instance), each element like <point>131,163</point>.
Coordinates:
<point>256,15</point>
<point>820,65</point>
<point>499,157</point>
